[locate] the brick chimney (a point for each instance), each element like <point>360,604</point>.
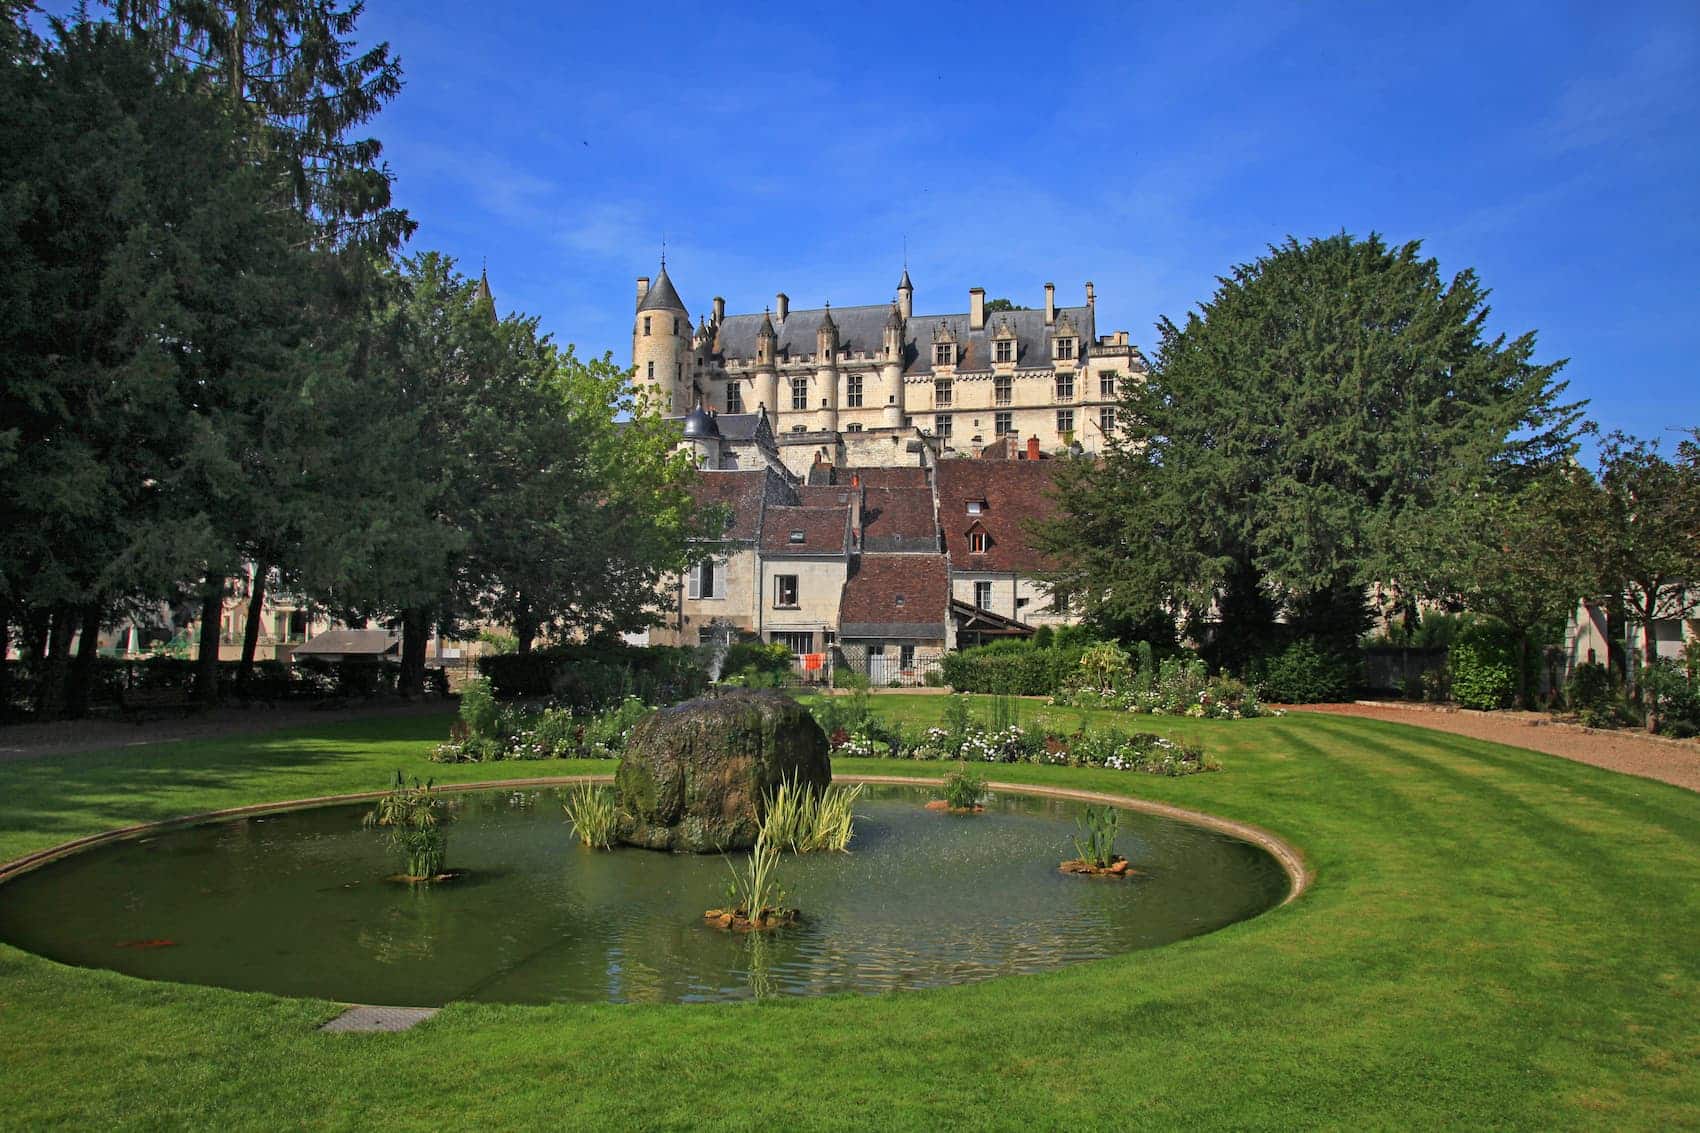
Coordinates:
<point>1032,448</point>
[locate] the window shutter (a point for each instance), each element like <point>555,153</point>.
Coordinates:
<point>694,586</point>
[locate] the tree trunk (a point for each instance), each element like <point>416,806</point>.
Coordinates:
<point>80,677</point>
<point>251,629</point>
<point>525,628</point>
<point>1649,657</point>
<point>5,660</point>
<point>415,629</point>
<point>206,662</point>
<point>1525,700</point>
<point>50,674</point>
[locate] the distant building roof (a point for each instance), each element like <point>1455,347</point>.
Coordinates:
<point>1011,493</point>
<point>806,531</point>
<point>743,494</point>
<point>896,596</point>
<point>372,643</point>
<point>899,520</point>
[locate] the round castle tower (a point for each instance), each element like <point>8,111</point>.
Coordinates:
<point>826,372</point>
<point>661,345</point>
<point>767,368</point>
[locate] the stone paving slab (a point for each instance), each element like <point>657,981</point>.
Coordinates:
<point>360,1019</point>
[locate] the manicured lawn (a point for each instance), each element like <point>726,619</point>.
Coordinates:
<point>1494,938</point>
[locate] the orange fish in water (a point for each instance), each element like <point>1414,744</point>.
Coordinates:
<point>147,944</point>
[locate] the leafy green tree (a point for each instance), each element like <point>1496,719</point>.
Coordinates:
<point>1291,435</point>
<point>1651,520</point>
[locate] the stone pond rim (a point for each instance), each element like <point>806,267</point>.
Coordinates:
<point>694,777</point>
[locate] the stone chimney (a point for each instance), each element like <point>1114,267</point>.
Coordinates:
<point>1032,448</point>
<point>643,287</point>
<point>1090,298</point>
<point>781,305</point>
<point>719,310</point>
<point>1050,304</point>
<point>976,308</point>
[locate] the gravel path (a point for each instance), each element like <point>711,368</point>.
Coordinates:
<point>66,737</point>
<point>1669,761</point>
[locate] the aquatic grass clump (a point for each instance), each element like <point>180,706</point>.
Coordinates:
<point>413,819</point>
<point>964,789</point>
<point>754,895</point>
<point>1099,846</point>
<point>593,813</point>
<point>806,822</point>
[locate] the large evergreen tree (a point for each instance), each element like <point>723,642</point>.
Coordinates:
<point>1291,436</point>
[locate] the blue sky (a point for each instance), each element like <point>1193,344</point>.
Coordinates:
<point>1554,149</point>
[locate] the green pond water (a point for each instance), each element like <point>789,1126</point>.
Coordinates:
<point>298,904</point>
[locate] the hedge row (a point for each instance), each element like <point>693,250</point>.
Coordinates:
<point>120,681</point>
<point>1012,670</point>
<point>595,677</point>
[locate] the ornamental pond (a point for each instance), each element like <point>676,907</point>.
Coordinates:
<point>299,903</point>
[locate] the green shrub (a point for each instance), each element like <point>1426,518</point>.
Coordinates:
<point>1306,673</point>
<point>479,710</point>
<point>1014,668</point>
<point>1483,666</point>
<point>595,676</point>
<point>1675,698</point>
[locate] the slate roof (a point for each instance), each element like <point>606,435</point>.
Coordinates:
<point>746,493</point>
<point>350,643</point>
<point>826,530</point>
<point>861,330</point>
<point>664,297</point>
<point>899,596</point>
<point>899,520</point>
<point>1014,493</point>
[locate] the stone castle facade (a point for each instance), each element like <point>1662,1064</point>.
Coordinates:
<point>882,376</point>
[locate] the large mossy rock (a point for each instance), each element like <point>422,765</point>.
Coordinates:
<point>693,777</point>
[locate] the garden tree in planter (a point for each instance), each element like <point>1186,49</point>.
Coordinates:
<point>1522,549</point>
<point>1651,520</point>
<point>1290,435</point>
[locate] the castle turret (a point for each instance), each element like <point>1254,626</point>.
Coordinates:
<point>767,367</point>
<point>826,371</point>
<point>906,296</point>
<point>661,346</point>
<point>891,367</point>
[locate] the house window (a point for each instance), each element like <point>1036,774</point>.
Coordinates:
<point>797,643</point>
<point>1006,350</point>
<point>1065,348</point>
<point>1003,389</point>
<point>785,592</point>
<point>941,425</point>
<point>853,392</point>
<point>705,581</point>
<point>798,536</point>
<point>942,389</point>
<point>799,393</point>
<point>1065,388</point>
<point>1065,421</point>
<point>905,656</point>
<point>1003,423</point>
<point>646,326</point>
<point>734,398</point>
<point>944,353</point>
<point>977,544</point>
<point>975,507</point>
<point>1107,383</point>
<point>1107,420</point>
<point>983,595</point>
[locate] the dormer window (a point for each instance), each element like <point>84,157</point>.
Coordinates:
<point>975,507</point>
<point>897,599</point>
<point>944,353</point>
<point>977,542</point>
<point>797,536</point>
<point>1065,348</point>
<point>1005,350</point>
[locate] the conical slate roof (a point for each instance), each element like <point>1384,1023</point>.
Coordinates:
<point>904,282</point>
<point>662,297</point>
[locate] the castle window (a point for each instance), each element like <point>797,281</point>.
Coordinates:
<point>853,427</point>
<point>799,428</point>
<point>1106,383</point>
<point>1065,388</point>
<point>651,371</point>
<point>944,353</point>
<point>1107,420</point>
<point>853,392</point>
<point>734,398</point>
<point>1065,348</point>
<point>799,393</point>
<point>1065,421</point>
<point>1006,350</point>
<point>908,421</point>
<point>941,425</point>
<point>1003,423</point>
<point>675,326</point>
<point>1003,389</point>
<point>646,326</point>
<point>942,388</point>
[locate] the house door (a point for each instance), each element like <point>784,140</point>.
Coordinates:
<point>877,669</point>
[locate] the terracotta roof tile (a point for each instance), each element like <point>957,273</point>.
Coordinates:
<point>899,519</point>
<point>1013,494</point>
<point>806,531</point>
<point>896,589</point>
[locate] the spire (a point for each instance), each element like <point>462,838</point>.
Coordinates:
<point>904,284</point>
<point>894,321</point>
<point>663,296</point>
<point>766,329</point>
<point>826,318</point>
<point>482,297</point>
